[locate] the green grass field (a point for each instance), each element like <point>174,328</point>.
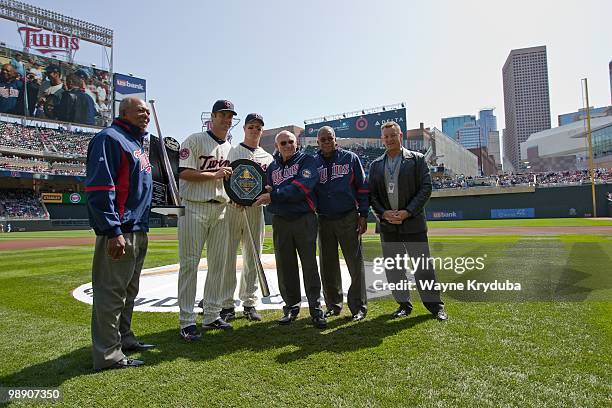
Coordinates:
<point>548,222</point>
<point>490,353</point>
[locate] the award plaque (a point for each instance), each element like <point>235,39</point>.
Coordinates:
<point>164,159</point>
<point>247,182</point>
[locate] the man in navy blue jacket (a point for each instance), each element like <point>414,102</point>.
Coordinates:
<point>292,177</point>
<point>119,189</point>
<point>342,196</point>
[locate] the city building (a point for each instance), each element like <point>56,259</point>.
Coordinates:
<point>487,123</point>
<point>418,140</point>
<point>494,149</point>
<point>470,136</point>
<point>451,125</point>
<point>526,100</point>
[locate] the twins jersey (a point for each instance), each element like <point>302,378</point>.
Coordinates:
<point>259,155</point>
<point>238,233</point>
<point>204,152</point>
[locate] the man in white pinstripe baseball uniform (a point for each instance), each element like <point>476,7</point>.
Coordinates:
<point>202,167</point>
<point>238,231</point>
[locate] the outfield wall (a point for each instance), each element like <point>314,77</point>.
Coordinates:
<point>545,202</point>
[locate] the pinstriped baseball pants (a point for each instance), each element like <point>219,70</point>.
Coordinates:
<point>239,234</point>
<point>203,223</point>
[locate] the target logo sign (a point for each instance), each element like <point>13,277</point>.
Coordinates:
<point>361,124</point>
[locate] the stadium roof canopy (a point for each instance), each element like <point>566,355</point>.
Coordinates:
<point>563,140</point>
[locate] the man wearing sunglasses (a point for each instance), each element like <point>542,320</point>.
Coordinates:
<point>292,177</point>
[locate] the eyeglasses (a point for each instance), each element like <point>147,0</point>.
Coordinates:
<point>285,142</point>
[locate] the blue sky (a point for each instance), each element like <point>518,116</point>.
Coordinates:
<point>293,61</point>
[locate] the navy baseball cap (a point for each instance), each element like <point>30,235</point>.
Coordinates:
<point>81,73</point>
<point>254,116</point>
<point>51,69</point>
<point>223,105</point>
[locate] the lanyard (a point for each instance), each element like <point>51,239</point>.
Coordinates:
<point>394,162</point>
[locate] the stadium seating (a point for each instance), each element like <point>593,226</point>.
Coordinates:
<point>57,141</point>
<point>547,179</point>
<point>21,204</point>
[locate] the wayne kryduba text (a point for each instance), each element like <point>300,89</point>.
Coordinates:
<point>427,285</point>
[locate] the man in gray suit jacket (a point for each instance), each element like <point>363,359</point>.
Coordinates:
<point>400,186</point>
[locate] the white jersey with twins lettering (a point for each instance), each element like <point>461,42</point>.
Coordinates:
<point>204,152</point>
<point>238,234</point>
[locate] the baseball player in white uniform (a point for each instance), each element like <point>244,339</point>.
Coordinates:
<point>238,231</point>
<point>203,165</point>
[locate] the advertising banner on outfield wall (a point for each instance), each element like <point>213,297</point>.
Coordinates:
<point>444,215</point>
<point>512,212</point>
<point>366,126</point>
<point>51,198</point>
<point>125,86</point>
<point>73,198</point>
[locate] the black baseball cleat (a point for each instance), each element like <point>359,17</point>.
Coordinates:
<point>441,315</point>
<point>218,324</point>
<point>190,333</point>
<point>401,312</point>
<point>332,312</point>
<point>288,317</point>
<point>359,316</point>
<point>139,346</point>
<point>228,314</point>
<point>124,363</point>
<point>319,322</point>
<point>251,314</point>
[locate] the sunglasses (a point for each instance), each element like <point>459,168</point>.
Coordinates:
<point>285,142</point>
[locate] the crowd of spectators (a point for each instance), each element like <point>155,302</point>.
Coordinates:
<point>20,137</point>
<point>545,179</point>
<point>37,165</point>
<point>21,204</point>
<point>57,141</point>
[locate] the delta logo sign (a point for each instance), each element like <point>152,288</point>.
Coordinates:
<point>46,42</point>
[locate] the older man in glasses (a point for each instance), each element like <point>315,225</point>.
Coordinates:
<point>292,177</point>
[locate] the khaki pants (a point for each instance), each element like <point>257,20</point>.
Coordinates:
<point>115,286</point>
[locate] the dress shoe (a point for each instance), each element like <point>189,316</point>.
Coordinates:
<point>359,316</point>
<point>251,314</point>
<point>125,363</point>
<point>331,312</point>
<point>218,324</point>
<point>401,312</point>
<point>288,317</point>
<point>228,314</point>
<point>319,322</point>
<point>140,346</point>
<point>441,315</point>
